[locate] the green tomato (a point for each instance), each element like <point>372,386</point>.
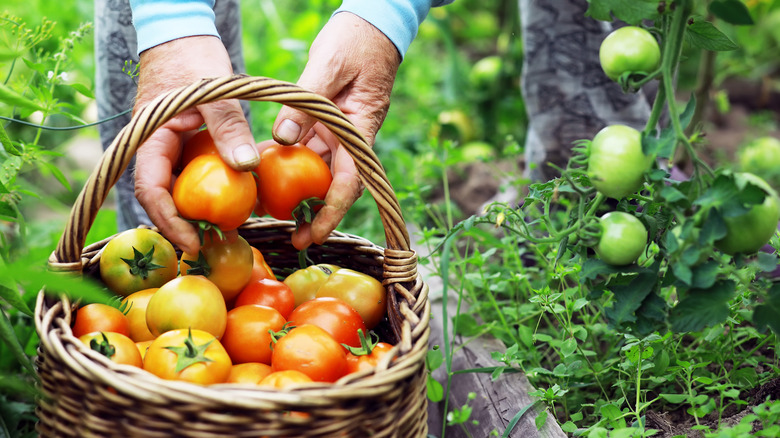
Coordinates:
<point>623,238</point>
<point>748,232</point>
<point>485,72</point>
<point>762,158</point>
<point>616,164</point>
<point>629,49</point>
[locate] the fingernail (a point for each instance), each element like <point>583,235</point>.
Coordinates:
<point>288,131</point>
<point>246,154</point>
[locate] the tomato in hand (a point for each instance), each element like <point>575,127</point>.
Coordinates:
<point>136,314</point>
<point>616,163</point>
<point>199,144</point>
<point>312,351</point>
<point>209,190</point>
<point>623,238</point>
<point>332,315</point>
<point>98,317</point>
<point>748,232</point>
<point>137,259</point>
<point>629,49</point>
<point>305,282</point>
<point>250,373</point>
<point>248,335</point>
<point>360,291</point>
<point>190,355</point>
<point>186,302</point>
<point>268,292</point>
<point>115,346</point>
<point>288,175</point>
<point>228,264</point>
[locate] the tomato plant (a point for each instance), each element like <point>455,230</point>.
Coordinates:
<point>98,317</point>
<point>289,175</point>
<point>332,315</point>
<point>629,49</point>
<point>360,291</point>
<point>115,346</point>
<point>616,163</point>
<point>305,282</point>
<point>250,373</point>
<point>749,230</point>
<point>312,351</point>
<point>135,305</point>
<point>268,292</point>
<point>623,238</point>
<point>209,190</point>
<point>137,259</point>
<point>192,355</point>
<point>248,331</point>
<point>227,263</point>
<point>186,302</point>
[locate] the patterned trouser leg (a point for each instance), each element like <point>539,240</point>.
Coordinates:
<point>567,95</point>
<point>115,43</point>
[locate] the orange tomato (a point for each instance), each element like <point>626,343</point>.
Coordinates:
<point>228,264</point>
<point>191,355</point>
<point>210,190</point>
<point>250,373</point>
<point>368,361</point>
<point>98,317</point>
<point>332,315</point>
<point>285,379</point>
<point>247,335</point>
<point>143,346</point>
<point>187,302</point>
<point>136,313</point>
<point>260,268</point>
<point>312,351</point>
<point>115,346</point>
<point>199,144</point>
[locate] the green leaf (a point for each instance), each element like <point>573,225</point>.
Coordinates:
<point>651,315</point>
<point>83,90</point>
<point>767,262</point>
<point>10,97</point>
<point>465,325</point>
<point>704,35</point>
<point>435,390</point>
<point>6,142</point>
<point>630,11</point>
<point>10,169</point>
<point>8,335</point>
<point>767,314</point>
<point>731,11</point>
<point>674,398</point>
<point>434,359</point>
<point>540,420</point>
<point>705,275</point>
<point>57,173</point>
<point>702,308</point>
<point>629,297</point>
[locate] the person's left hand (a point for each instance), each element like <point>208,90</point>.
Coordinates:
<point>354,65</point>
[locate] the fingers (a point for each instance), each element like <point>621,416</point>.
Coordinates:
<point>230,131</point>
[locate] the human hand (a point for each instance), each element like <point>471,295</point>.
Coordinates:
<point>354,65</point>
<point>165,67</point>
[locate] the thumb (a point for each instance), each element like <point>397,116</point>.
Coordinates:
<point>229,129</point>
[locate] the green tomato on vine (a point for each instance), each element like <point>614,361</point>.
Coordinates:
<point>629,49</point>
<point>616,163</point>
<point>623,238</point>
<point>747,232</point>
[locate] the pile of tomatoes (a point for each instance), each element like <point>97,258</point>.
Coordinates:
<point>222,315</point>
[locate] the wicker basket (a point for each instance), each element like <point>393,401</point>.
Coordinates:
<point>85,394</point>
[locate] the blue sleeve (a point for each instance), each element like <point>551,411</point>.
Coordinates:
<point>157,21</point>
<point>399,20</point>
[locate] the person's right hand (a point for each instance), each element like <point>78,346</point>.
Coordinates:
<point>165,67</point>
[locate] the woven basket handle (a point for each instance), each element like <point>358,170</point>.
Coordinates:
<point>117,157</point>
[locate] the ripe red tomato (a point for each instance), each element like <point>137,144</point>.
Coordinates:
<point>115,346</point>
<point>268,292</point>
<point>228,264</point>
<point>210,190</point>
<point>616,163</point>
<point>136,314</point>
<point>312,351</point>
<point>629,49</point>
<point>98,317</point>
<point>250,373</point>
<point>362,292</point>
<point>260,268</point>
<point>305,282</point>
<point>137,259</point>
<point>187,302</point>
<point>199,144</point>
<point>190,355</point>
<point>623,238</point>
<point>332,315</point>
<point>288,175</point>
<point>248,336</point>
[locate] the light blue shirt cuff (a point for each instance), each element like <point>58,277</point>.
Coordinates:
<point>158,22</point>
<point>399,20</point>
